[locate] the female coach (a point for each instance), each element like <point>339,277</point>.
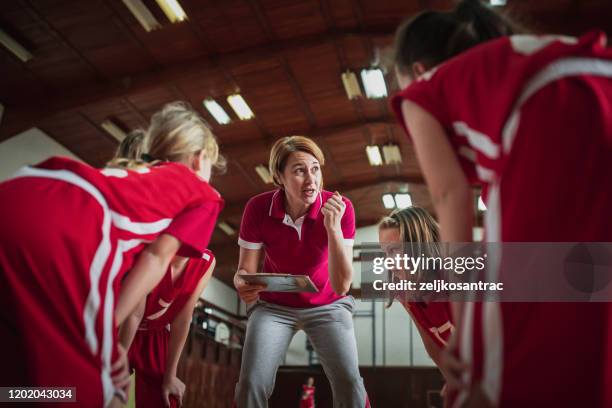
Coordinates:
<point>303,230</point>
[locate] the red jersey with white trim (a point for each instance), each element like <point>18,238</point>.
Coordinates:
<point>308,397</point>
<point>168,197</point>
<point>472,95</point>
<point>434,317</point>
<point>167,299</point>
<point>298,248</point>
<point>530,118</point>
<point>149,350</point>
<point>68,232</point>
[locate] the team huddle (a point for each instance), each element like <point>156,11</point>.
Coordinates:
<point>100,269</point>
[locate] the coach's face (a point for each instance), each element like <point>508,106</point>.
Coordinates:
<point>301,178</point>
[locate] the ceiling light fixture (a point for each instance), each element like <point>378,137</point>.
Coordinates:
<point>388,201</point>
<point>397,200</point>
<point>173,10</point>
<point>228,229</point>
<point>374,156</point>
<point>391,153</point>
<point>13,46</point>
<point>374,83</point>
<point>142,14</point>
<point>264,173</point>
<point>112,129</point>
<point>403,200</point>
<point>240,106</point>
<point>351,85</point>
<point>217,111</point>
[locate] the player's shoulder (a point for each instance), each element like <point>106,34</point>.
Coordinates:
<point>263,200</point>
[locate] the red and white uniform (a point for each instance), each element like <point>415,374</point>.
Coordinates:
<point>530,119</point>
<point>434,317</point>
<point>299,247</point>
<point>309,393</point>
<point>68,234</point>
<point>149,349</point>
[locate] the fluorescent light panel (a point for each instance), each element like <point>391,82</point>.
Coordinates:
<point>374,83</point>
<point>142,14</point>
<point>264,173</point>
<point>397,200</point>
<point>217,111</point>
<point>13,46</point>
<point>351,85</point>
<point>391,153</point>
<point>388,201</point>
<point>374,156</point>
<point>228,229</point>
<point>403,200</point>
<point>240,106</point>
<point>497,2</point>
<point>173,10</point>
<point>113,130</point>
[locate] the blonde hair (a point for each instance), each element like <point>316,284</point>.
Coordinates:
<point>178,132</point>
<point>130,151</point>
<point>415,224</point>
<point>281,150</point>
<point>416,227</point>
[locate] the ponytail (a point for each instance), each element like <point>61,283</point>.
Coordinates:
<point>433,37</point>
<point>130,152</point>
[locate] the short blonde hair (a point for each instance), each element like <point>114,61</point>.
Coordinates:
<point>281,150</point>
<point>177,132</point>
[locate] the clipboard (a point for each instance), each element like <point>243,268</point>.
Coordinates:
<point>280,282</point>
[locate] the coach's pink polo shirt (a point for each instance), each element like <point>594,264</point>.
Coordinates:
<point>298,248</point>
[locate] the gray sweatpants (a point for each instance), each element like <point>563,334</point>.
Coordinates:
<point>270,329</point>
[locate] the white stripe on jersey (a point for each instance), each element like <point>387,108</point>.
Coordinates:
<point>467,152</point>
<point>492,329</point>
<point>109,308</point>
<point>559,69</point>
<point>139,228</point>
<point>485,174</point>
<point>478,140</point>
<point>530,44</point>
<point>92,304</point>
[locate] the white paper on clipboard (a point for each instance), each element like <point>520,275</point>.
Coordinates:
<point>278,282</point>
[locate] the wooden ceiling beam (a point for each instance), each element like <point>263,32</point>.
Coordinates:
<point>237,148</point>
<point>21,115</point>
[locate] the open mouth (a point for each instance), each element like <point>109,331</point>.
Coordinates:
<point>309,192</point>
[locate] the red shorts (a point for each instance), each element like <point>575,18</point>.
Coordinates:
<point>148,354</point>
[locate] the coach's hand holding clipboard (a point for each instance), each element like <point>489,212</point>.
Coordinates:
<point>248,292</point>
